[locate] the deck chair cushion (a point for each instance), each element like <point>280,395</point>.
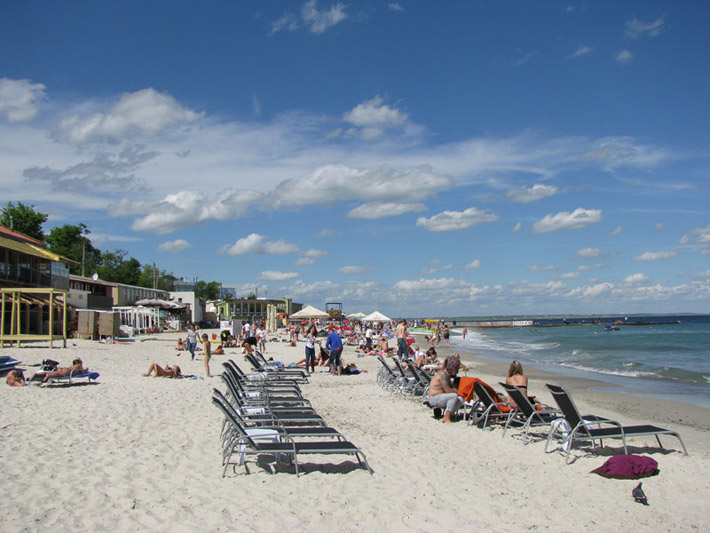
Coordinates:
<point>628,467</point>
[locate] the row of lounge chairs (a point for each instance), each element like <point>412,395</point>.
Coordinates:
<point>565,424</point>
<point>266,415</point>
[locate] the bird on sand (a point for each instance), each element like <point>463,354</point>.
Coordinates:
<point>639,495</point>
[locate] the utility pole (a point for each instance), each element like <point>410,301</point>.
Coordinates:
<point>155,277</point>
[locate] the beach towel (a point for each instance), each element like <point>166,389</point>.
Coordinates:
<point>628,467</point>
<point>465,390</point>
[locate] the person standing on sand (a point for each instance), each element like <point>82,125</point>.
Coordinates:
<point>208,353</point>
<point>191,341</point>
<point>334,345</point>
<point>402,348</point>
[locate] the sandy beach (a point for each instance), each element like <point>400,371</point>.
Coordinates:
<point>133,453</point>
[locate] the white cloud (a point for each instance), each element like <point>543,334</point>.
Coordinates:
<point>353,270</point>
<point>380,210</point>
<point>395,6</point>
<point>582,50</point>
<point>579,218</point>
<point>542,268</point>
<point>305,261</point>
<point>257,244</point>
<point>144,113</point>
<point>636,28</point>
<point>517,227</point>
<point>531,194</point>
<point>591,291</point>
<point>618,230</point>
<point>20,99</point>
<point>476,263</point>
<point>624,57</point>
<point>570,275</point>
<point>175,246</point>
<point>184,209</point>
<point>274,275</point>
<point>330,183</point>
<point>589,252</point>
<point>656,256</point>
<point>614,152</point>
<point>326,232</point>
<point>315,254</point>
<point>317,21</point>
<point>456,220</point>
<point>633,279</point>
<point>373,117</point>
<point>660,226</point>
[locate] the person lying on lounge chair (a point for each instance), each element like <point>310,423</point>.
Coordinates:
<point>160,372</point>
<point>76,368</point>
<point>15,378</point>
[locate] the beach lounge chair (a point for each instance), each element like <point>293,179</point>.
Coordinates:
<point>262,398</point>
<point>386,377</point>
<point>489,408</point>
<point>530,414</point>
<point>581,427</point>
<point>286,446</point>
<point>253,427</point>
<point>299,375</point>
<point>292,390</point>
<point>260,379</point>
<point>87,377</point>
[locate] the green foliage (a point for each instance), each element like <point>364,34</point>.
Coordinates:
<point>70,241</point>
<point>23,218</point>
<point>208,291</point>
<point>114,267</point>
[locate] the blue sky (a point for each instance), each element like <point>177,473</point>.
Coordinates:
<point>420,158</point>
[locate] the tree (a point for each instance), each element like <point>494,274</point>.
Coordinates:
<point>23,218</point>
<point>71,242</point>
<point>114,267</point>
<point>208,291</point>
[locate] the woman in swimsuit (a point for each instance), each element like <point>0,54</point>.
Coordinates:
<point>208,352</point>
<point>160,372</point>
<point>516,378</point>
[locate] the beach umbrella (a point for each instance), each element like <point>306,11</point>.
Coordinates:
<point>356,316</point>
<point>309,312</point>
<point>376,316</point>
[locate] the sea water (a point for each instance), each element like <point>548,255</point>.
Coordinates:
<point>670,361</point>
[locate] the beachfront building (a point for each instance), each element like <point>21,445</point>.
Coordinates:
<point>94,293</point>
<point>33,284</point>
<point>197,305</point>
<point>254,308</point>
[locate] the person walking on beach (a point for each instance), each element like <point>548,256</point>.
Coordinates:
<point>402,348</point>
<point>447,333</point>
<point>191,342</point>
<point>334,345</point>
<point>208,352</point>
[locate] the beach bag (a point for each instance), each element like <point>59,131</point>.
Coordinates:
<point>351,369</point>
<point>628,467</point>
<point>49,366</point>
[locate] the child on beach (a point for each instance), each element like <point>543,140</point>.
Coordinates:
<point>208,352</point>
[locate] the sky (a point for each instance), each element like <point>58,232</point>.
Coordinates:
<point>424,159</point>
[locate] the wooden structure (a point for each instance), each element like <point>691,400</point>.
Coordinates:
<point>32,311</point>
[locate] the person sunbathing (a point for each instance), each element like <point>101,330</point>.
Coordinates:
<point>15,378</point>
<point>74,370</point>
<point>181,344</point>
<point>219,350</point>
<point>160,372</point>
<point>517,378</point>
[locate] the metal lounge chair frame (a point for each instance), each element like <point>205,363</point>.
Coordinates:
<point>287,446</point>
<point>528,412</point>
<point>491,409</point>
<point>581,430</point>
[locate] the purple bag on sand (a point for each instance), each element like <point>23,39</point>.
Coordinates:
<point>628,467</point>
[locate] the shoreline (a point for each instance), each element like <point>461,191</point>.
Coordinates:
<point>596,391</point>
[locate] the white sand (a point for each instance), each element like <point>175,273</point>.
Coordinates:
<point>135,453</point>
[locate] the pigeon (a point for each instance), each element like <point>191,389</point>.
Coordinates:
<point>639,495</point>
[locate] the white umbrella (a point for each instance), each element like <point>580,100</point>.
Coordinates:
<point>309,312</point>
<point>376,317</point>
<point>356,316</point>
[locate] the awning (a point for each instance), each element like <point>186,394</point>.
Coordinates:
<point>31,249</point>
